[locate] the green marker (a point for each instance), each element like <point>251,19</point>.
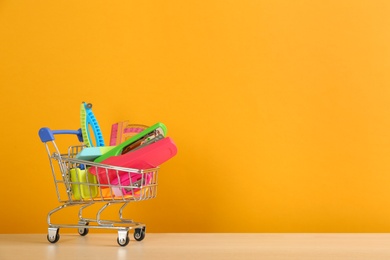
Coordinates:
<point>145,136</point>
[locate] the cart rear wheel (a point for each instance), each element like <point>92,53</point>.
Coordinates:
<point>139,234</point>
<point>83,231</point>
<point>123,241</point>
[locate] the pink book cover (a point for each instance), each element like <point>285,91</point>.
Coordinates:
<point>150,156</point>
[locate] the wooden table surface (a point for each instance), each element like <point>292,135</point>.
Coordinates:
<point>203,246</point>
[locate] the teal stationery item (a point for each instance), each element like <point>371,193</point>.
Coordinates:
<point>91,153</point>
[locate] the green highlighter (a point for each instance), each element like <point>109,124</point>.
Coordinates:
<point>84,184</point>
<point>146,136</point>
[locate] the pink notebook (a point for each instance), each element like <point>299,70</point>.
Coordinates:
<point>147,157</point>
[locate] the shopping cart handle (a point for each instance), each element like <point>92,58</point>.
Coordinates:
<point>47,135</point>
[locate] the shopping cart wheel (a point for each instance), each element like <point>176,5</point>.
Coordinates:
<point>83,231</point>
<point>123,238</point>
<point>53,235</point>
<point>139,234</point>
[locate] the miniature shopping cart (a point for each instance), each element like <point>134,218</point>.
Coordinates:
<point>76,186</point>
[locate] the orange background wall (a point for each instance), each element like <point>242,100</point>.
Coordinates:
<point>280,109</point>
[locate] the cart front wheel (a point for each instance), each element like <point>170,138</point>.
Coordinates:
<point>139,234</point>
<point>53,238</point>
<point>123,241</point>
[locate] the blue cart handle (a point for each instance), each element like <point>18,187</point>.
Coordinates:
<point>47,135</point>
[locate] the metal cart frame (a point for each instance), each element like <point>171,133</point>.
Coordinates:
<point>75,186</point>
